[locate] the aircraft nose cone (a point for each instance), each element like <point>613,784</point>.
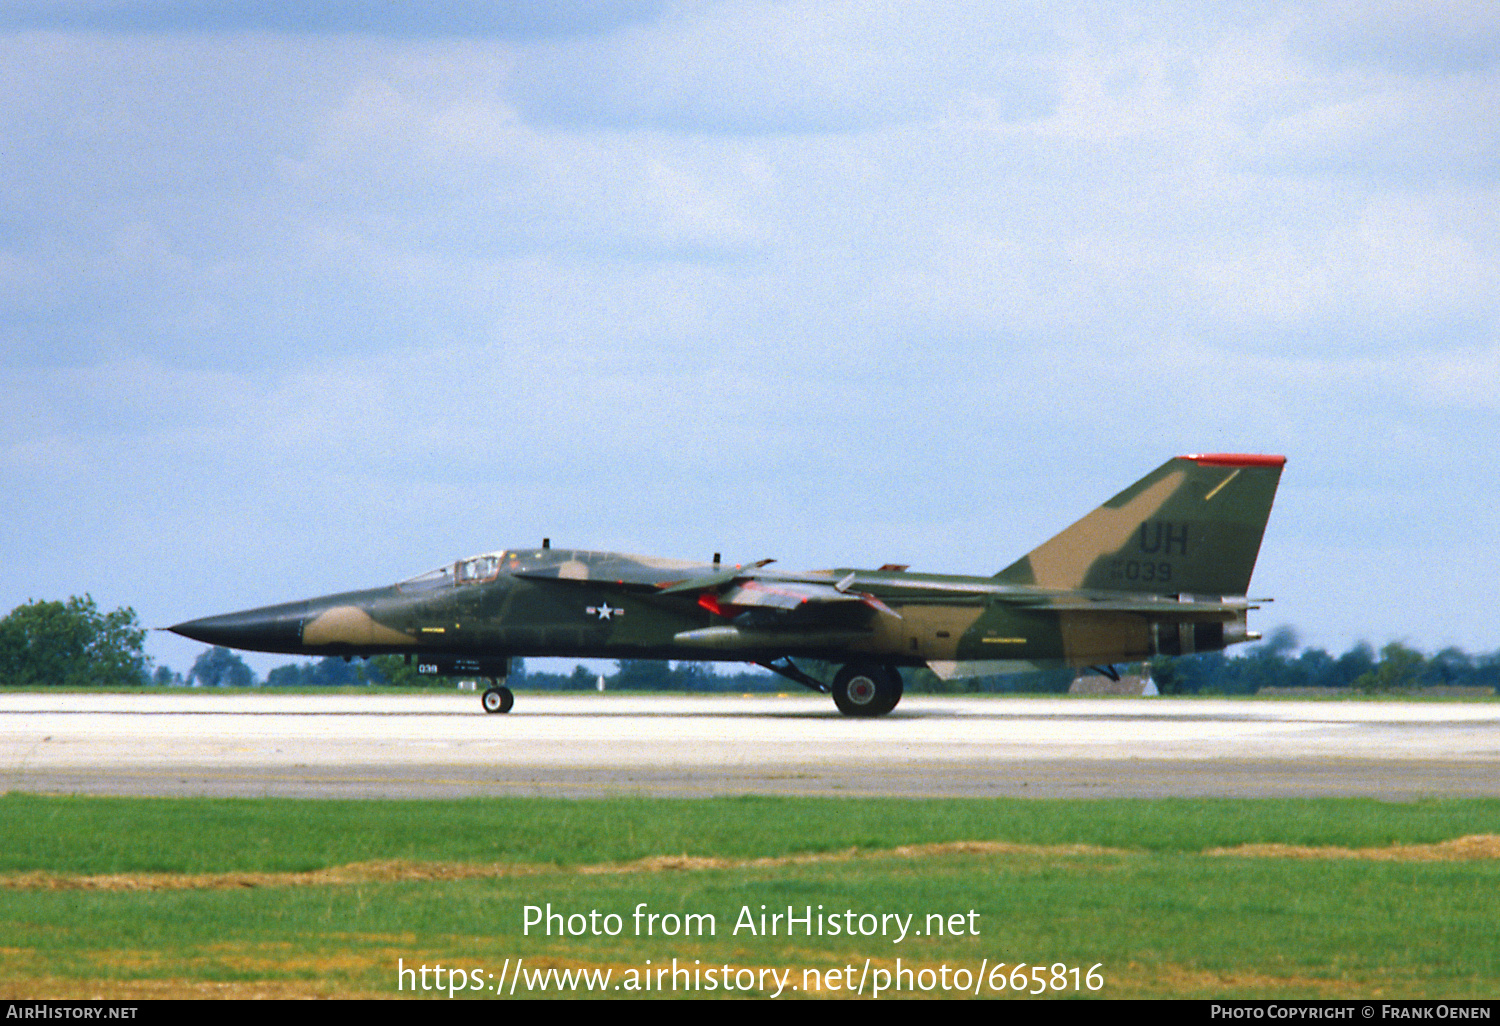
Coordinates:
<point>267,629</point>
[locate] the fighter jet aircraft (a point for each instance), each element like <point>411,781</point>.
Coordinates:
<point>1163,568</point>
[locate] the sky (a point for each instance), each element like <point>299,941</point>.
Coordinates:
<point>296,301</point>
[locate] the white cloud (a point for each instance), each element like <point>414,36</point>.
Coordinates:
<point>1403,36</point>
<point>772,66</point>
<point>1412,131</point>
<point>416,19</point>
<point>1396,275</point>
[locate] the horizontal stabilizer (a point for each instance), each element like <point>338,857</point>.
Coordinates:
<point>1149,605</point>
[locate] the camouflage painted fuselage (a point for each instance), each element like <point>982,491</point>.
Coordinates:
<point>1162,568</point>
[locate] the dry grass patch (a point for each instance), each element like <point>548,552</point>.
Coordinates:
<point>1470,848</point>
<point>398,871</point>
<point>46,989</point>
<point>1461,849</point>
<point>1136,979</point>
<point>386,871</point>
<point>689,863</point>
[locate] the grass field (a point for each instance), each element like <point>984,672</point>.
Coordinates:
<point>178,898</point>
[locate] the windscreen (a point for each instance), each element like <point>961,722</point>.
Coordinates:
<point>442,577</point>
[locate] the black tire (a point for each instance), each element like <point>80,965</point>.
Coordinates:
<point>498,700</point>
<point>866,689</point>
<point>898,687</point>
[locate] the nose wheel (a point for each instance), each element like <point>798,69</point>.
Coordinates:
<point>497,699</point>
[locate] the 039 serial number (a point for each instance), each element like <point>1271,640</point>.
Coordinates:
<point>1139,570</point>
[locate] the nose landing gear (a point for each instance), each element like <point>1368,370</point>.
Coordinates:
<point>497,697</point>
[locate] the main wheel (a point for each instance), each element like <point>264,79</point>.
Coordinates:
<point>866,689</point>
<point>498,700</point>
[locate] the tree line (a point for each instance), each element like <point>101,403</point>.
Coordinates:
<point>1279,663</point>
<point>74,643</point>
<point>221,667</point>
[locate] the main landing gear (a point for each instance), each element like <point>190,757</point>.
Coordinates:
<point>867,689</point>
<point>497,697</point>
<point>859,689</point>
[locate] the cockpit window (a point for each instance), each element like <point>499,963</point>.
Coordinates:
<point>442,577</point>
<point>480,568</point>
<point>465,571</point>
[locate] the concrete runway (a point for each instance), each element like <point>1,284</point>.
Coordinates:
<point>442,745</point>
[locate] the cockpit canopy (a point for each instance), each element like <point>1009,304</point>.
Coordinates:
<point>442,577</point>
<point>616,568</point>
<point>478,569</point>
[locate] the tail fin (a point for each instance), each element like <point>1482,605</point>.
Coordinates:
<point>1192,526</point>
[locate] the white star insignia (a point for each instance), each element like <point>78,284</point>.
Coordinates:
<point>605,611</point>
